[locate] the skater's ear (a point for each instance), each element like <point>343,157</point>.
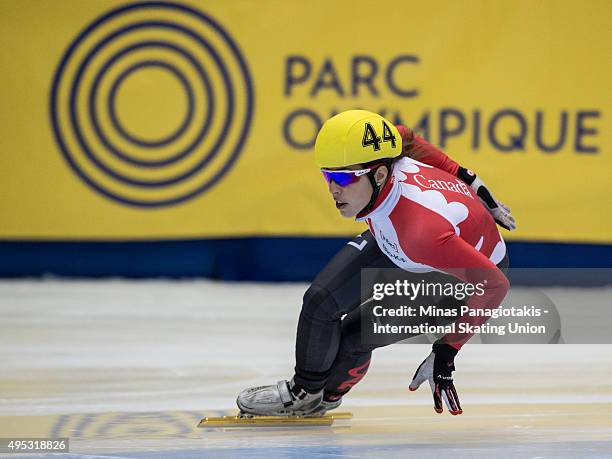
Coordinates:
<point>380,176</point>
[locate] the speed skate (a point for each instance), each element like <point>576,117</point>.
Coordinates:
<point>250,420</point>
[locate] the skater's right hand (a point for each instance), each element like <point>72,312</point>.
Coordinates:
<point>437,368</point>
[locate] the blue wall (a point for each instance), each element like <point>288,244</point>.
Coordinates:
<point>257,259</point>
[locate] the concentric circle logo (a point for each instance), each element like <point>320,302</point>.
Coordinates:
<point>151,104</point>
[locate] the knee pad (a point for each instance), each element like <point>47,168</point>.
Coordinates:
<point>319,304</point>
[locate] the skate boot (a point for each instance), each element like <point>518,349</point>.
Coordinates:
<point>281,399</point>
<point>325,406</point>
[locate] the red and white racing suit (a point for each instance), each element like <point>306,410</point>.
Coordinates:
<point>426,219</point>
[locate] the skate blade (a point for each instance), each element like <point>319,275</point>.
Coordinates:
<point>246,420</point>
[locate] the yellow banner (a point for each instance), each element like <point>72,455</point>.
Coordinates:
<point>190,119</point>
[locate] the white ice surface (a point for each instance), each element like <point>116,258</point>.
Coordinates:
<point>94,347</point>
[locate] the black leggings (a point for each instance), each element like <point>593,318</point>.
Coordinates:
<point>329,350</point>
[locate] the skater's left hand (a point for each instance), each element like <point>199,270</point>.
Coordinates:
<point>437,368</point>
<point>501,213</point>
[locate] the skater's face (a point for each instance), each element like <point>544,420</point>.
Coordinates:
<point>352,198</point>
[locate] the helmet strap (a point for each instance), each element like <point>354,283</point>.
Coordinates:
<point>376,189</point>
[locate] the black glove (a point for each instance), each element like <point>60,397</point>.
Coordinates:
<point>437,368</point>
<point>502,215</point>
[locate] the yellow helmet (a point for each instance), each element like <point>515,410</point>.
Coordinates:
<point>356,137</point>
